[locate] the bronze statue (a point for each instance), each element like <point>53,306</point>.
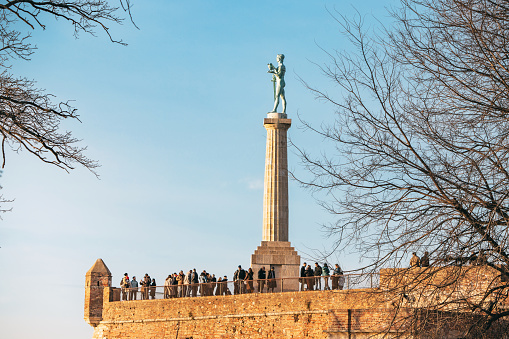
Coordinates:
<point>279,82</point>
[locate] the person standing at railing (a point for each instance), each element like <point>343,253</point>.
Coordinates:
<point>341,277</point>
<point>271,282</point>
<point>180,286</point>
<point>142,282</point>
<point>238,279</point>
<point>167,285</point>
<point>325,274</point>
<point>219,289</point>
<point>124,284</point>
<point>213,284</point>
<point>318,276</point>
<point>153,289</point>
<point>425,260</point>
<point>209,287</point>
<point>194,281</point>
<point>187,284</point>
<point>226,290</point>
<point>303,276</point>
<point>310,277</point>
<point>174,285</point>
<point>261,279</point>
<point>341,281</point>
<point>145,283</point>
<point>335,277</point>
<point>133,291</point>
<point>249,280</point>
<point>203,281</point>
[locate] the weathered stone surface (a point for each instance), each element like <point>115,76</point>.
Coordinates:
<point>99,267</point>
<point>362,313</point>
<point>275,199</point>
<point>97,278</point>
<point>282,257</point>
<point>317,314</point>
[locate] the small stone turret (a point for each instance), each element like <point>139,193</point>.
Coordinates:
<point>97,278</point>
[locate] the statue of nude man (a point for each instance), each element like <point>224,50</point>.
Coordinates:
<point>279,75</point>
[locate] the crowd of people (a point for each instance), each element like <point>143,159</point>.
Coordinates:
<point>192,283</point>
<point>129,288</point>
<point>189,284</point>
<point>311,279</point>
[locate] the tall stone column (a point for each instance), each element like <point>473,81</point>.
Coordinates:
<point>275,198</point>
<point>275,249</point>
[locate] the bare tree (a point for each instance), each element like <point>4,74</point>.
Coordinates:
<point>29,117</point>
<point>421,139</point>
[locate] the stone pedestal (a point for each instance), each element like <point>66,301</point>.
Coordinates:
<point>275,249</point>
<point>285,260</point>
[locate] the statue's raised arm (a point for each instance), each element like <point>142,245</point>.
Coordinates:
<point>279,79</point>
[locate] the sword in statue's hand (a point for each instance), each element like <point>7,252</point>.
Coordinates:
<point>271,70</point>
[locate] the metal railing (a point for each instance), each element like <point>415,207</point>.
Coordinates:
<point>342,282</point>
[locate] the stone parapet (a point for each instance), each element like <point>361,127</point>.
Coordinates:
<point>313,314</point>
<point>445,287</point>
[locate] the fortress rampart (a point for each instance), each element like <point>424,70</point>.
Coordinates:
<point>312,314</point>
<point>354,313</point>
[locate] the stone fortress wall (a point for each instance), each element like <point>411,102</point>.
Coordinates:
<point>312,314</point>
<point>334,314</point>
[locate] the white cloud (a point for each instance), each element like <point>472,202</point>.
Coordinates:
<point>254,184</point>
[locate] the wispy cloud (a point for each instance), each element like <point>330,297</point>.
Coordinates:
<point>254,184</point>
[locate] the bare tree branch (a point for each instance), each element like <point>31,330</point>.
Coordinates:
<point>421,135</point>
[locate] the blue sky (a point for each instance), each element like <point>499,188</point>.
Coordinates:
<point>176,121</point>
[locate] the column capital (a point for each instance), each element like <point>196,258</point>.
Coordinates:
<point>271,123</point>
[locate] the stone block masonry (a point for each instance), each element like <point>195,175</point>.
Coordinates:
<point>354,314</point>
<point>97,279</point>
<point>283,257</point>
<point>275,199</point>
<point>313,314</point>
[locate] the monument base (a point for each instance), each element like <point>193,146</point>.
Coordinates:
<point>285,260</point>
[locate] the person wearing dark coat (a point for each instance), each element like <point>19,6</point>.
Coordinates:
<point>238,277</point>
<point>153,289</point>
<point>310,277</point>
<point>219,289</point>
<point>213,282</point>
<point>425,260</point>
<point>325,274</point>
<point>174,284</point>
<point>249,280</point>
<point>194,283</point>
<point>261,279</point>
<point>271,280</point>
<point>303,276</point>
<point>318,276</point>
<point>226,290</point>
